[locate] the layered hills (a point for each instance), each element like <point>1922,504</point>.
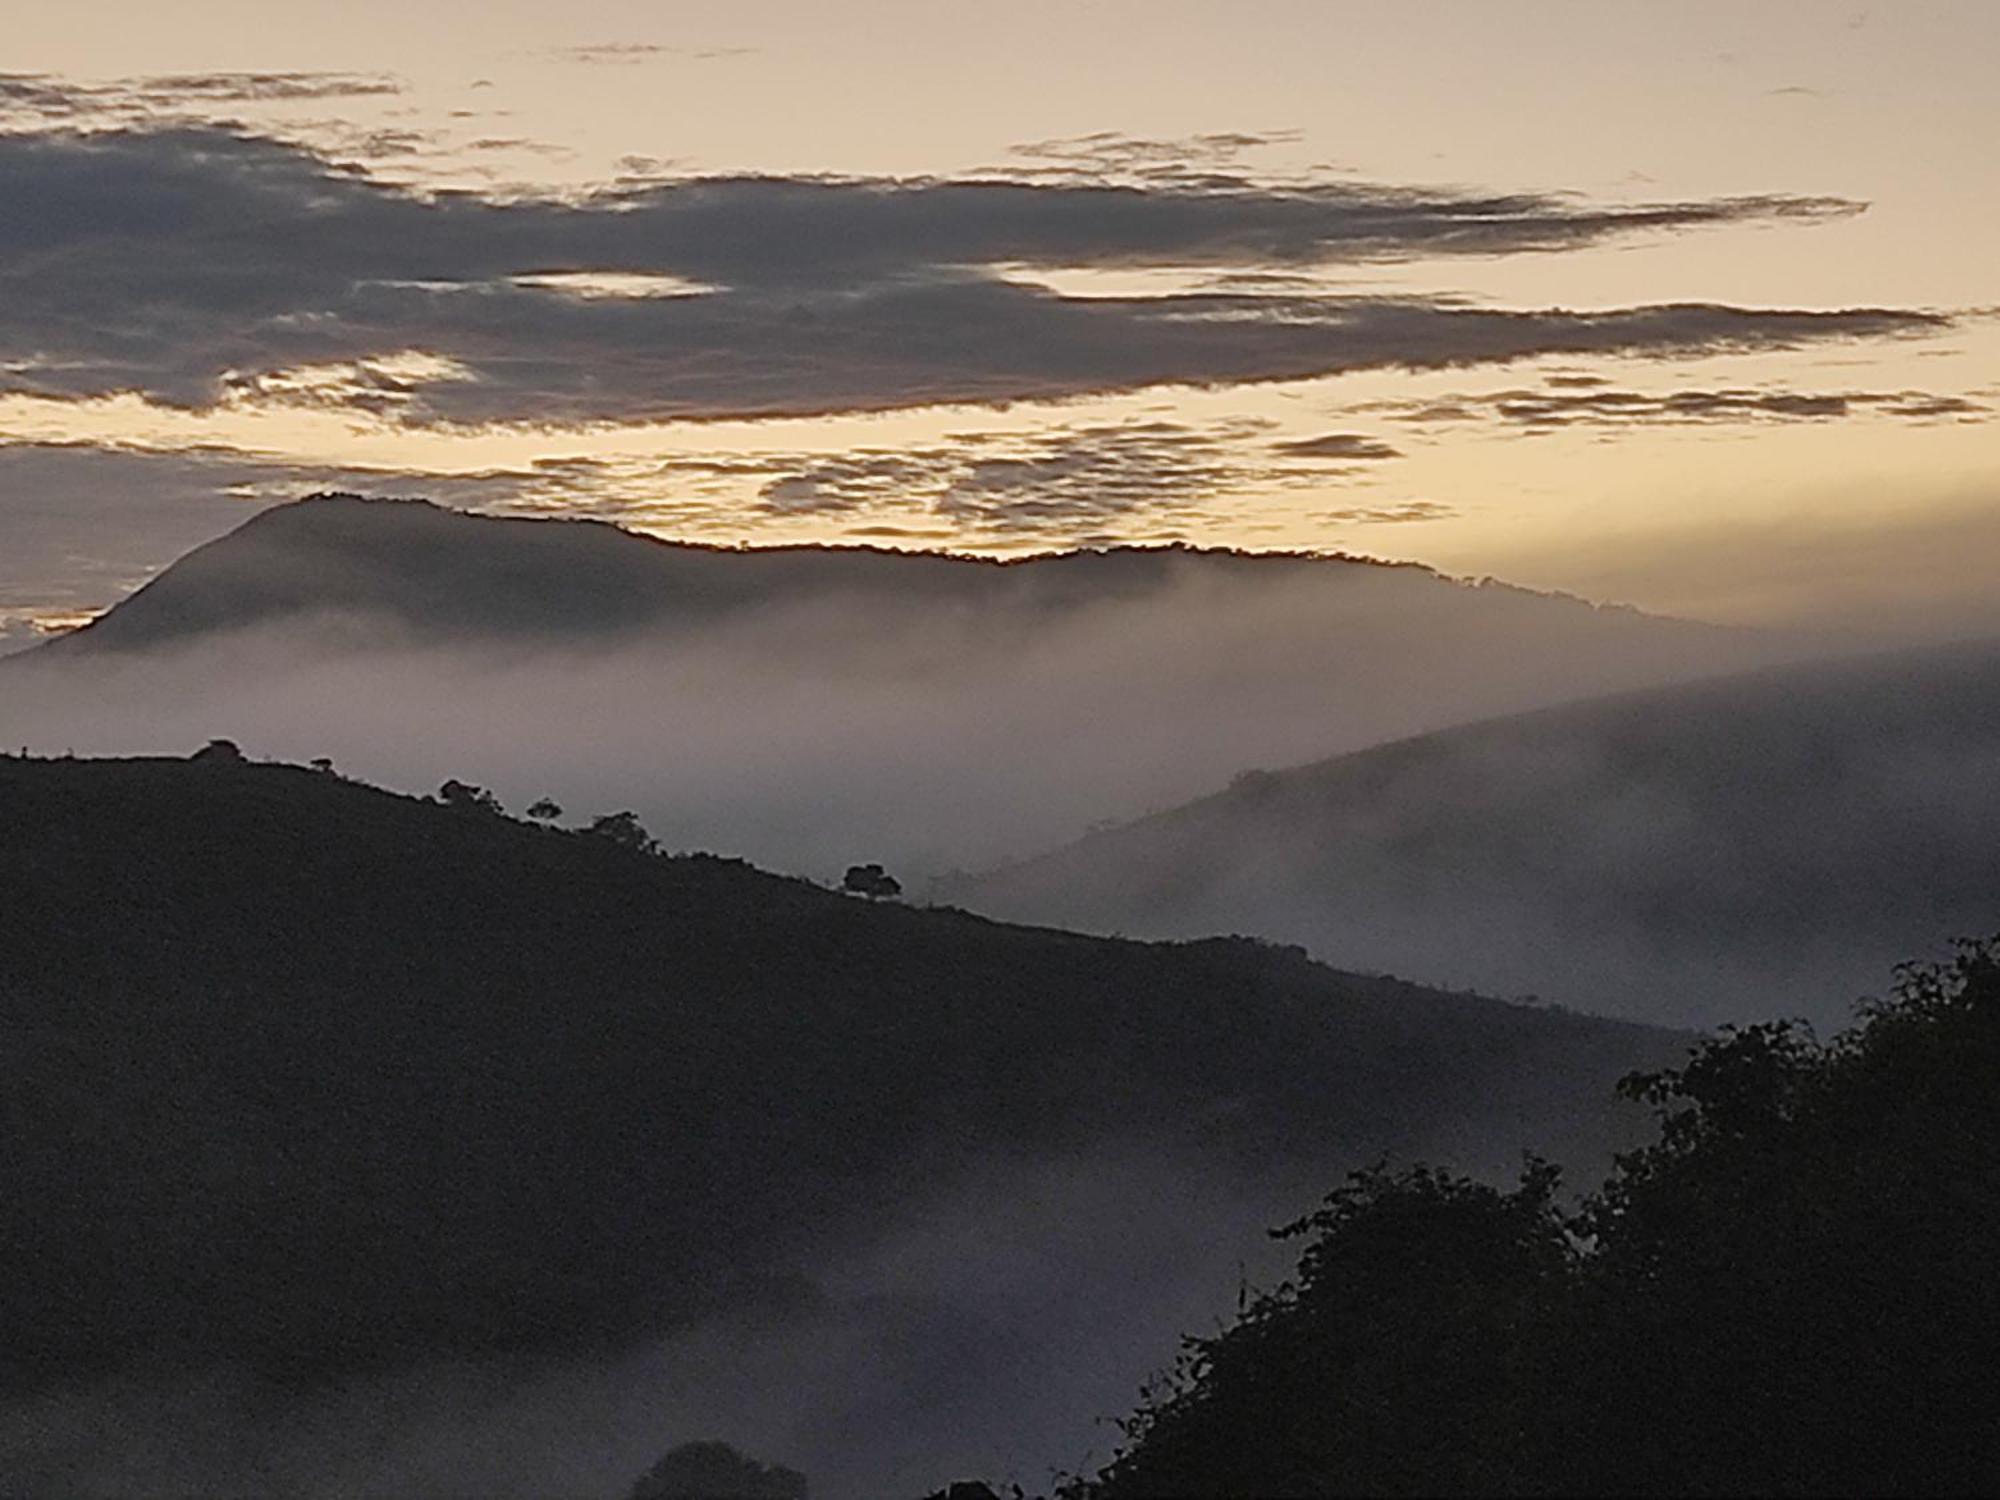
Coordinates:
<point>1766,844</point>
<point>804,706</point>
<point>317,1082</point>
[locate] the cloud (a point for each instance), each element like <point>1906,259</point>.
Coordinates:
<point>37,100</point>
<point>86,524</point>
<point>198,267</point>
<point>34,104</point>
<point>1064,483</point>
<point>637,52</point>
<point>1341,445</point>
<point>1212,159</point>
<point>1061,482</point>
<point>1389,515</point>
<point>1571,401</point>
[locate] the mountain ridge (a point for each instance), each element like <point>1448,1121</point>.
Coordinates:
<point>1748,808</point>
<point>399,546</point>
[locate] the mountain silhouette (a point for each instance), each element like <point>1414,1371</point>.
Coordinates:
<point>1766,844</point>
<point>443,573</point>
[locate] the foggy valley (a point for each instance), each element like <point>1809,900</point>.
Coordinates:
<point>937,1293</point>
<point>807,707</point>
<point>1024,752</point>
<point>785,1124</point>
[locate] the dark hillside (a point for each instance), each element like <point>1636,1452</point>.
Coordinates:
<point>316,1077</point>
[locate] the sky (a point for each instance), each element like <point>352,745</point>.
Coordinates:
<point>1688,307</point>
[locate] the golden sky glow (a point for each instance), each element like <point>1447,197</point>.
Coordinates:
<point>1750,484</point>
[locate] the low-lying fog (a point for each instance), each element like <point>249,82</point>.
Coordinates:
<point>1000,1327</point>
<point>997,1327</point>
<point>996,1332</point>
<point>1764,845</point>
<point>928,735</point>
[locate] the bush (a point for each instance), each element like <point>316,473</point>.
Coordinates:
<point>1790,1291</point>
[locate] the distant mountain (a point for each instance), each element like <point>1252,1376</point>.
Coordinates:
<point>308,1079</point>
<point>1762,845</point>
<point>807,706</point>
<point>411,566</point>
<point>408,564</point>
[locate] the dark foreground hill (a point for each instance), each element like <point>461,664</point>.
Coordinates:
<point>1762,845</point>
<point>805,706</point>
<point>308,1079</point>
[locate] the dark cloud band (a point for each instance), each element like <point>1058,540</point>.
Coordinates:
<point>193,265</point>
<point>1344,446</point>
<point>1590,401</point>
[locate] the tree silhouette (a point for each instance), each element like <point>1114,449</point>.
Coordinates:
<point>545,810</point>
<point>716,1471</point>
<point>219,752</point>
<point>465,797</point>
<point>871,881</point>
<point>623,829</point>
<point>1400,1327</point>
<point>1789,1291</point>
